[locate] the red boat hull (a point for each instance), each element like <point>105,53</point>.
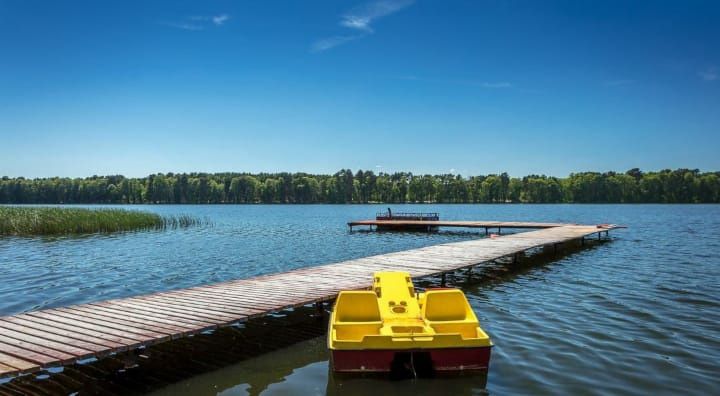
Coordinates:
<point>380,361</point>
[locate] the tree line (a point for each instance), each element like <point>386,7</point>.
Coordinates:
<point>346,186</point>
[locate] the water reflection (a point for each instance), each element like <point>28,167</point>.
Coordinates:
<point>303,369</point>
<point>469,384</point>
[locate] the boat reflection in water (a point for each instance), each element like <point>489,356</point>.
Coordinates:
<point>304,369</point>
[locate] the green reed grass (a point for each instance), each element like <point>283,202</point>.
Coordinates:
<point>27,221</point>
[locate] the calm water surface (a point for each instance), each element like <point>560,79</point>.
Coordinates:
<point>636,316</point>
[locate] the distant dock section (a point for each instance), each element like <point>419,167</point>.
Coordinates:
<point>406,221</point>
<point>408,224</point>
<point>413,216</point>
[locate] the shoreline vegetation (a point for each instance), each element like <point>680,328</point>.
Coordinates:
<point>346,186</point>
<point>32,221</point>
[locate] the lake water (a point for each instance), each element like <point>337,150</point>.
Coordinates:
<point>638,315</point>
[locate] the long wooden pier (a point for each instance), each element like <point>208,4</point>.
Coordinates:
<point>59,336</point>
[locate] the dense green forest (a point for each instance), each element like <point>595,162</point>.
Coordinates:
<point>633,186</point>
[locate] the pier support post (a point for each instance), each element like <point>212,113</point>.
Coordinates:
<point>486,231</point>
<point>442,280</point>
<point>319,309</point>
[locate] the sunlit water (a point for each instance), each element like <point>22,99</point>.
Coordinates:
<point>636,316</point>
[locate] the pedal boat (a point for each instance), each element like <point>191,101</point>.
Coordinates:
<point>371,330</point>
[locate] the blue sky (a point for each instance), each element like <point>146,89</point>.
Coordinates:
<point>469,87</point>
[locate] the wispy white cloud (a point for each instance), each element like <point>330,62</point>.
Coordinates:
<point>709,74</point>
<point>220,19</point>
<point>362,16</point>
<point>356,23</point>
<point>330,42</point>
<point>183,25</point>
<point>199,22</point>
<point>360,19</point>
<point>215,19</point>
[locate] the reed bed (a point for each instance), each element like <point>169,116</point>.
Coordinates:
<point>28,221</point>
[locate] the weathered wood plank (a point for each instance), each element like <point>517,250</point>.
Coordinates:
<point>32,352</point>
<point>7,369</point>
<point>74,342</point>
<point>43,344</point>
<point>86,319</point>
<point>133,316</point>
<point>162,308</point>
<point>180,306</point>
<point>101,329</point>
<point>18,364</point>
<point>229,298</point>
<point>183,321</point>
<point>225,298</point>
<point>65,329</point>
<point>124,322</point>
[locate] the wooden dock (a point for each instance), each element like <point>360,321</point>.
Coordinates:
<point>59,336</point>
<point>434,224</point>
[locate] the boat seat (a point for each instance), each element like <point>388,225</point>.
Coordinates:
<point>448,311</point>
<point>357,306</point>
<point>356,314</point>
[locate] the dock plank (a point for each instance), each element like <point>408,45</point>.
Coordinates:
<point>175,310</point>
<point>183,321</point>
<point>15,349</point>
<point>124,322</point>
<point>65,329</point>
<point>38,353</point>
<point>86,319</point>
<point>17,364</point>
<point>69,341</point>
<point>133,317</point>
<point>83,325</point>
<point>180,306</point>
<point>8,335</point>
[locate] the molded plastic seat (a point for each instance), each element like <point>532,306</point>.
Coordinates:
<point>357,306</point>
<point>448,311</point>
<point>357,314</point>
